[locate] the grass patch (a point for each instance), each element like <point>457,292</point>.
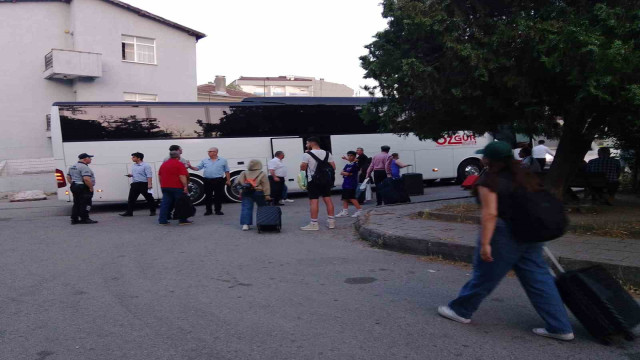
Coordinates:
<point>459,209</point>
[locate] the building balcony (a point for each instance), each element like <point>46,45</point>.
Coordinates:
<point>71,64</point>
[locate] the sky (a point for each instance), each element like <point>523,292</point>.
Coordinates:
<point>321,39</point>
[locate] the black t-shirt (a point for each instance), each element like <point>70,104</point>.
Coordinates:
<point>502,184</point>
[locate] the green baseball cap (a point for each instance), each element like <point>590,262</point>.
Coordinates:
<point>496,150</point>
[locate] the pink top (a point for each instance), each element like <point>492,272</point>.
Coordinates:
<point>381,161</point>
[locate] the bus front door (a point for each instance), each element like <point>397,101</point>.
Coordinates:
<point>293,149</point>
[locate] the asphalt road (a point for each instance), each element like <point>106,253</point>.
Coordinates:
<point>127,288</point>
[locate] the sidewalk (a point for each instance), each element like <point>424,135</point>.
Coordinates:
<point>399,227</point>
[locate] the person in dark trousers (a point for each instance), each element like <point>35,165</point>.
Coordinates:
<point>141,184</point>
<point>498,252</point>
<point>173,182</point>
<point>277,177</point>
<point>216,176</point>
<point>381,168</point>
<point>540,152</point>
<point>349,183</point>
<point>81,181</point>
<point>363,164</point>
<point>611,168</point>
<point>186,164</point>
<point>258,191</point>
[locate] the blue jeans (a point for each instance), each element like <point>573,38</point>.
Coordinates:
<point>532,271</point>
<point>246,213</point>
<point>169,198</point>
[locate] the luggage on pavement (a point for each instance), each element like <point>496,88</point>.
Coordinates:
<point>413,183</point>
<point>393,191</point>
<point>269,218</point>
<point>184,208</point>
<point>598,301</point>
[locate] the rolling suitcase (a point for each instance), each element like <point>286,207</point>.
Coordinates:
<point>393,191</point>
<point>413,183</point>
<point>598,301</point>
<point>269,218</point>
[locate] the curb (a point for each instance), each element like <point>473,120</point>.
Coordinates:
<point>428,245</point>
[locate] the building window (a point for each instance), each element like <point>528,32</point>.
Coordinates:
<point>278,91</point>
<point>138,49</point>
<point>135,97</point>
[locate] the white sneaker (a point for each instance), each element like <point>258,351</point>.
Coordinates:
<point>288,200</point>
<point>331,223</point>
<point>311,227</point>
<point>357,213</point>
<point>446,312</point>
<point>245,227</point>
<point>545,333</point>
<point>343,213</point>
<point>281,202</point>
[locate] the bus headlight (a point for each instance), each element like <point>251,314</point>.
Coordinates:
<point>435,170</point>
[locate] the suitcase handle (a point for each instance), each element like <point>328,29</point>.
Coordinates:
<point>553,260</point>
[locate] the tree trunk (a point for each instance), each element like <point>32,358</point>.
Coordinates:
<point>572,148</point>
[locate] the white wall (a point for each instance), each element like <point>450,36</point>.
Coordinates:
<point>28,32</point>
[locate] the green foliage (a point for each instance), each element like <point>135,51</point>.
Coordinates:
<point>450,65</point>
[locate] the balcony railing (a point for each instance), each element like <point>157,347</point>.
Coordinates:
<point>72,64</point>
<point>48,61</point>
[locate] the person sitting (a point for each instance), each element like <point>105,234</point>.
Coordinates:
<point>611,168</point>
<point>528,162</point>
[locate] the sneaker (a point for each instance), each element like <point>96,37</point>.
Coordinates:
<point>164,224</point>
<point>343,213</point>
<point>126,214</point>
<point>288,200</point>
<point>311,227</point>
<point>281,202</point>
<point>331,223</point>
<point>545,333</point>
<point>245,227</point>
<point>446,312</point>
<point>357,213</point>
<point>185,222</point>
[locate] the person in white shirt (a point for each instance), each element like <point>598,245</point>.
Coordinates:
<point>540,154</point>
<point>317,190</point>
<point>277,177</point>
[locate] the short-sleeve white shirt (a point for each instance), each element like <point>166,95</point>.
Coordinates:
<point>312,163</point>
<point>278,166</point>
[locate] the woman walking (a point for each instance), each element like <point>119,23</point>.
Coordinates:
<point>498,252</point>
<point>254,185</point>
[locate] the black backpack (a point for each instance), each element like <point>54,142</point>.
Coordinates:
<point>325,174</point>
<point>537,216</point>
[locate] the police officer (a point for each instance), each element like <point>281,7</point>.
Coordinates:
<point>82,181</point>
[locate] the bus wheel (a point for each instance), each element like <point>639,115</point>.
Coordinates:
<point>196,189</point>
<point>231,192</point>
<point>468,167</point>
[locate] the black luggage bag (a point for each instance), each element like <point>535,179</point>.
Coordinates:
<point>269,218</point>
<point>413,183</point>
<point>184,207</point>
<point>598,301</point>
<point>393,191</point>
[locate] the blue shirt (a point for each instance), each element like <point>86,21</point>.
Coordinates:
<point>140,172</point>
<point>214,169</point>
<point>395,169</point>
<point>350,181</point>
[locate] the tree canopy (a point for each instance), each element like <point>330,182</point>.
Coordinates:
<point>473,65</point>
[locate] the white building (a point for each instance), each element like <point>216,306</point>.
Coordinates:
<point>81,50</point>
<point>292,86</point>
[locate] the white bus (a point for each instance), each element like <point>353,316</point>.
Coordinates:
<point>253,129</point>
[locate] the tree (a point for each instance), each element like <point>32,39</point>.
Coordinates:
<point>449,65</point>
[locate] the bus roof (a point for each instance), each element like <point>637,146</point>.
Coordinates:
<point>245,102</point>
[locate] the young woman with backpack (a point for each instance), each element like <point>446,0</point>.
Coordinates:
<point>498,251</point>
<point>254,188</point>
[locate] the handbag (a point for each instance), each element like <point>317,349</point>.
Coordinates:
<point>302,180</point>
<point>363,186</point>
